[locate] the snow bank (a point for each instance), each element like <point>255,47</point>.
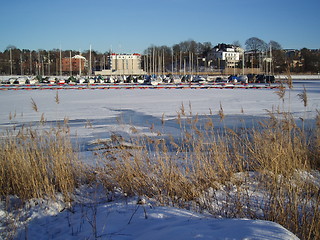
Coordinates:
<point>128,220</point>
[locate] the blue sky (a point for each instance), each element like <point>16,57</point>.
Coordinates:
<point>134,25</point>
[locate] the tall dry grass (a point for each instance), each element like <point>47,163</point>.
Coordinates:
<point>263,172</point>
<point>37,164</point>
<point>38,161</point>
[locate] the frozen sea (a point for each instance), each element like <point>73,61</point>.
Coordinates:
<point>98,113</point>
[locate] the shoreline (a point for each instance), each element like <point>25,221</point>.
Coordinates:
<point>299,77</point>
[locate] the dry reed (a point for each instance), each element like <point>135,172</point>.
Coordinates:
<point>37,165</point>
<point>181,171</point>
<point>38,162</point>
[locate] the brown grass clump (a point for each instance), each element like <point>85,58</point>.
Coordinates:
<point>39,161</point>
<point>37,164</point>
<point>284,156</point>
<point>279,146</point>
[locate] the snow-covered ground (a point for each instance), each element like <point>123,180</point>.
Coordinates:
<point>297,77</point>
<point>126,220</point>
<point>94,114</point>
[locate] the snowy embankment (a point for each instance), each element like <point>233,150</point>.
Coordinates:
<point>94,114</point>
<point>126,220</point>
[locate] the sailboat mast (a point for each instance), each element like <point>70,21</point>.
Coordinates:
<point>243,63</point>
<point>49,72</point>
<point>162,61</point>
<point>10,61</point>
<point>70,62</point>
<point>90,67</point>
<point>21,68</point>
<point>180,62</point>
<point>267,65</point>
<point>60,60</point>
<point>79,62</point>
<point>271,60</point>
<point>153,62</point>
<point>172,62</point>
<point>30,63</point>
<point>190,63</point>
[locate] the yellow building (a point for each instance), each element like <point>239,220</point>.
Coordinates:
<point>123,64</point>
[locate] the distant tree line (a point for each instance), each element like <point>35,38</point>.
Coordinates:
<point>15,61</point>
<point>298,61</point>
<point>186,54</point>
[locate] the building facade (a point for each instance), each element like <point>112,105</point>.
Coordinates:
<point>74,65</point>
<point>123,64</point>
<point>226,56</point>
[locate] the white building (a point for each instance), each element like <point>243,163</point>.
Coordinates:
<point>226,56</point>
<point>123,64</point>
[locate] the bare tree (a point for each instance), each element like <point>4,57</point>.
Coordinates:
<point>255,44</point>
<point>237,43</point>
<point>275,45</point>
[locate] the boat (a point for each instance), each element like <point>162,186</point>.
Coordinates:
<point>243,79</point>
<point>22,80</point>
<point>221,80</point>
<point>175,79</point>
<point>81,80</point>
<point>153,80</point>
<point>140,80</point>
<point>262,78</point>
<point>199,79</point>
<point>233,78</point>
<point>52,80</point>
